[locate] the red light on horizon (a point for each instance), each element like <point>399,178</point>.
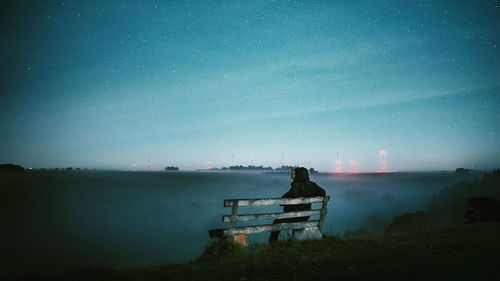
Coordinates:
<point>361,172</point>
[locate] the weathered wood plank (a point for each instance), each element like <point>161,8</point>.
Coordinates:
<point>271,216</point>
<point>272,201</point>
<point>262,228</point>
<point>234,212</point>
<point>324,207</point>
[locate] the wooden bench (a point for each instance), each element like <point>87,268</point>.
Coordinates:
<point>304,228</point>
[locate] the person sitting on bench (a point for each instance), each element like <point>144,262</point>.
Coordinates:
<point>300,187</point>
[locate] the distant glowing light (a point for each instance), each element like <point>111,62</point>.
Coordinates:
<point>383,159</point>
<point>338,162</point>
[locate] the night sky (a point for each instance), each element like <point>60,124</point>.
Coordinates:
<point>102,84</point>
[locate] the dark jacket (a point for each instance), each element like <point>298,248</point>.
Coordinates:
<point>302,187</point>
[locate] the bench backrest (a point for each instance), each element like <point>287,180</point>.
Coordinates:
<point>234,217</point>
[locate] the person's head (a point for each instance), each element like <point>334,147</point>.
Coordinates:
<point>300,174</point>
<point>293,173</point>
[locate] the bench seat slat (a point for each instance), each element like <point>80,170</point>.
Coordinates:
<point>272,201</point>
<point>262,228</point>
<point>272,216</point>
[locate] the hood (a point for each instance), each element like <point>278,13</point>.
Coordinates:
<point>301,174</point>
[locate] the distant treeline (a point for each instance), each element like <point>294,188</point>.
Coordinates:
<point>463,170</point>
<point>64,169</point>
<point>250,167</point>
<point>282,169</point>
<point>172,168</point>
<point>19,168</point>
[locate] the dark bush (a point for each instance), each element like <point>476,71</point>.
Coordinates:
<point>482,209</point>
<point>220,247</point>
<point>11,168</point>
<point>409,222</point>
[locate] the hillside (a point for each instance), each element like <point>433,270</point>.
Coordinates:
<point>453,253</point>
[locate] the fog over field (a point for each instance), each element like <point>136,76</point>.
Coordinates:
<point>53,221</point>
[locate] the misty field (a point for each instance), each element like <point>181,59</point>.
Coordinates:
<point>61,220</point>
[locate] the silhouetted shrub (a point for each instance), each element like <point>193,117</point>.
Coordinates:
<point>220,247</point>
<point>409,222</point>
<point>11,168</point>
<point>482,209</point>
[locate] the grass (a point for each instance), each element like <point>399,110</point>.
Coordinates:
<point>454,253</point>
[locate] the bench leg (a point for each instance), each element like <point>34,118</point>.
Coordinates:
<point>275,234</point>
<point>310,233</point>
<point>273,238</point>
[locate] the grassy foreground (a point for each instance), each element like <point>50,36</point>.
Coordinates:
<point>457,253</point>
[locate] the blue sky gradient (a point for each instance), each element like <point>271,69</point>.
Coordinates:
<point>102,84</point>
